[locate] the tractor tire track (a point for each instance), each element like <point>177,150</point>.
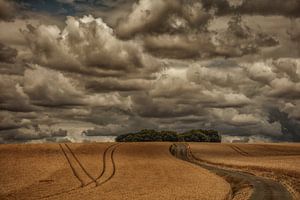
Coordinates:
<point>81,166</point>
<point>104,161</point>
<point>75,173</point>
<point>239,150</point>
<point>72,167</point>
<point>114,147</point>
<point>86,178</point>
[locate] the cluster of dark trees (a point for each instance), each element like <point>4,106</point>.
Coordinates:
<point>171,136</point>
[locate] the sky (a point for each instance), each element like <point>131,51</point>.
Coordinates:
<point>87,70</point>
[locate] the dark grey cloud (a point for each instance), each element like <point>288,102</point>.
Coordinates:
<point>290,127</point>
<point>163,16</point>
<point>114,84</point>
<point>7,10</point>
<point>289,8</point>
<point>7,54</point>
<point>7,122</point>
<point>12,69</point>
<point>239,40</point>
<point>146,106</point>
<point>31,134</point>
<point>98,132</point>
<point>25,127</point>
<point>59,133</point>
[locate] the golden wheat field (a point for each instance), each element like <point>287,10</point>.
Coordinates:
<point>103,171</point>
<point>277,161</point>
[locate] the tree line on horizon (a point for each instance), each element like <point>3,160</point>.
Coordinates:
<point>147,135</point>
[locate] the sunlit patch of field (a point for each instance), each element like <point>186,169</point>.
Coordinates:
<point>131,171</point>
<point>276,161</point>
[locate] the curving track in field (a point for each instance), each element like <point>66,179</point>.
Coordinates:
<point>80,172</point>
<point>263,189</point>
<point>112,149</point>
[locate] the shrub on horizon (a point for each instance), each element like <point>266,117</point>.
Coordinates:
<point>147,135</point>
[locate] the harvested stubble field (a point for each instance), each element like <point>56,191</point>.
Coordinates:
<point>103,171</point>
<point>280,162</point>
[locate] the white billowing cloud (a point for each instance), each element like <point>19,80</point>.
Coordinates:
<point>278,78</point>
<point>84,45</point>
<point>180,46</point>
<point>246,139</point>
<point>145,15</point>
<point>289,68</point>
<point>283,87</point>
<point>113,99</point>
<point>260,72</point>
<point>287,82</point>
<point>239,39</point>
<point>180,30</point>
<point>173,92</point>
<point>244,119</point>
<point>167,16</point>
<point>233,117</point>
<point>249,123</point>
<point>293,110</point>
<point>12,96</point>
<point>209,76</point>
<point>235,3</point>
<point>48,87</point>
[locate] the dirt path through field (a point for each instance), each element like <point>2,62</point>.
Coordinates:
<point>263,189</point>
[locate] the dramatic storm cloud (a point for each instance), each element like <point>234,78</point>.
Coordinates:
<point>86,70</point>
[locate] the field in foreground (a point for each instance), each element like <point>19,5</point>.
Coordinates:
<point>103,171</point>
<point>141,170</point>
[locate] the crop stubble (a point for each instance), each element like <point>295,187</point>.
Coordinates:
<point>127,171</point>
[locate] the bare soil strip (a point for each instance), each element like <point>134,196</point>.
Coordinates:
<point>263,189</point>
